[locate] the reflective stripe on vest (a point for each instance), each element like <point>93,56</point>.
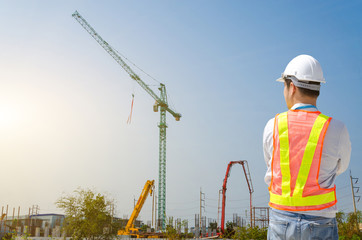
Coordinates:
<point>290,191</point>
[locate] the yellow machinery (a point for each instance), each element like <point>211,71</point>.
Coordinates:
<point>130,230</point>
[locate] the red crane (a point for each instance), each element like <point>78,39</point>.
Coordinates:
<point>250,186</point>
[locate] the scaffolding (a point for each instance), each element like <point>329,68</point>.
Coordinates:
<point>260,217</point>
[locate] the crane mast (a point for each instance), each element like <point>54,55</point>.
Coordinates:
<point>161,103</point>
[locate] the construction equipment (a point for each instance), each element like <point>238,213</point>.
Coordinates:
<point>161,102</point>
<point>250,186</point>
<point>130,230</point>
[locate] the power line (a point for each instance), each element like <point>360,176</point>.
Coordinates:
<point>193,201</point>
<point>179,209</point>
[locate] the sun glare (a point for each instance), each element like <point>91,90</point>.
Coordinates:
<point>8,116</point>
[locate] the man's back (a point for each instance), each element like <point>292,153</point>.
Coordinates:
<point>335,155</point>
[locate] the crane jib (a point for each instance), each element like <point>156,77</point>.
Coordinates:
<point>121,62</point>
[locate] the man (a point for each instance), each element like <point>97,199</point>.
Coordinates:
<point>304,151</point>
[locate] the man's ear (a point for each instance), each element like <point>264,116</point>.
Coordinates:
<point>293,88</point>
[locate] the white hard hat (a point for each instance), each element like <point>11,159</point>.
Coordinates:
<point>303,68</point>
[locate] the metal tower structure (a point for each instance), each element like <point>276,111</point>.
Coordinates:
<point>161,103</point>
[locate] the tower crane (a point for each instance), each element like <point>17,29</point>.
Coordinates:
<point>161,103</point>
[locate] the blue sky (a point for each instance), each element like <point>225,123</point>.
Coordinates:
<point>64,101</point>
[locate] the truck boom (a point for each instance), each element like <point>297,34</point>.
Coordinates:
<point>130,229</point>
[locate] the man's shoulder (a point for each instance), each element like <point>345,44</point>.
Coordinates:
<point>269,126</point>
<point>336,126</point>
<point>270,121</point>
<point>337,123</point>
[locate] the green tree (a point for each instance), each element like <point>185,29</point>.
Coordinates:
<point>88,214</point>
<point>348,225</point>
<point>170,232</point>
<point>185,225</point>
<point>213,226</point>
<point>144,228</point>
<point>229,230</point>
<point>250,233</point>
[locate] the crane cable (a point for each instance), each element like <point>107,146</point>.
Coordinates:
<point>129,120</point>
<point>154,79</point>
<point>124,57</point>
<point>130,115</point>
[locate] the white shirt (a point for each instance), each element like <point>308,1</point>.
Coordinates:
<point>336,155</point>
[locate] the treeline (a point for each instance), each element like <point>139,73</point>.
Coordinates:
<point>89,215</point>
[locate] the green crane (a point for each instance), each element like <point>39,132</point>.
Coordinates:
<point>161,103</point>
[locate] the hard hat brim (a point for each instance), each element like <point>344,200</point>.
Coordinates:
<point>307,80</point>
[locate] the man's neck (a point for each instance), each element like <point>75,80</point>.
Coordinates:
<point>305,100</point>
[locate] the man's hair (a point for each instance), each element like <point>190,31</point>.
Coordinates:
<point>304,91</point>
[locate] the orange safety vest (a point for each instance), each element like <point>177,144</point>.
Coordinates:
<point>297,150</point>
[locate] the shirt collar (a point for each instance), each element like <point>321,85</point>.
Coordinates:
<point>305,106</point>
